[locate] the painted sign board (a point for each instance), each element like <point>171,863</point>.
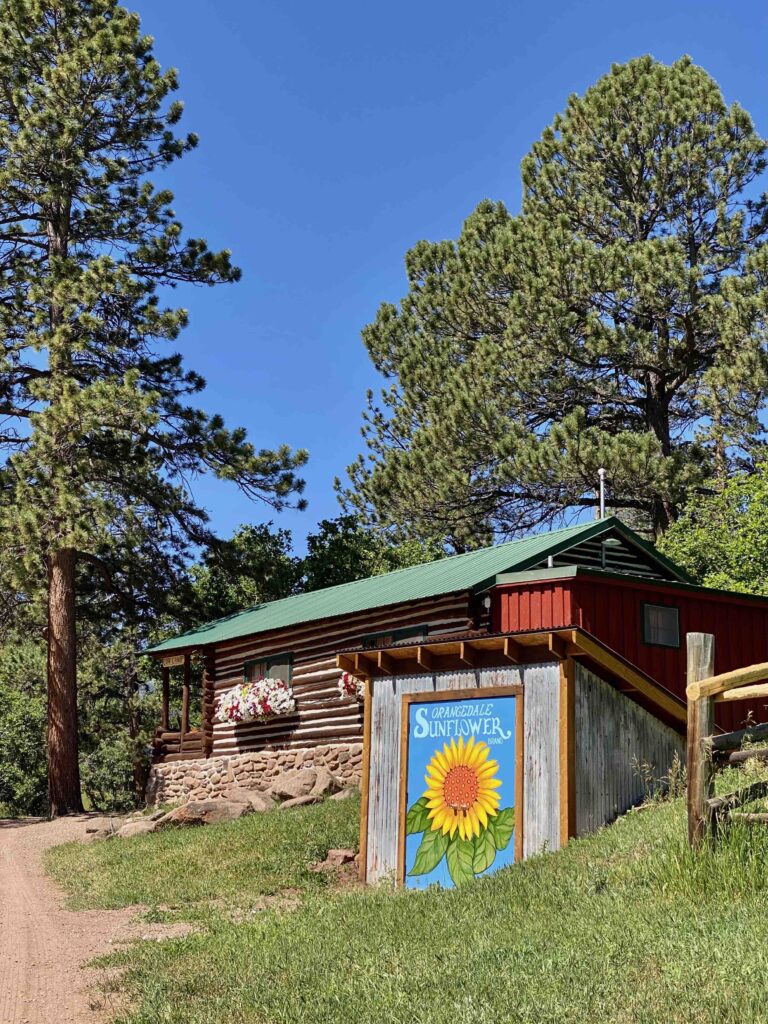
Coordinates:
<point>173,660</point>
<point>461,785</point>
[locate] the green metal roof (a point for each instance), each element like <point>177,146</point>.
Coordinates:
<point>470,571</point>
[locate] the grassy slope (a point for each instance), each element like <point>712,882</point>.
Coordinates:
<point>623,926</point>
<point>185,868</point>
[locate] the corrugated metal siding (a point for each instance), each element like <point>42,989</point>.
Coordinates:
<point>534,605</point>
<point>384,780</point>
<point>612,733</point>
<point>541,757</point>
<point>540,737</point>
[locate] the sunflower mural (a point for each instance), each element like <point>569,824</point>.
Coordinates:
<point>459,814</point>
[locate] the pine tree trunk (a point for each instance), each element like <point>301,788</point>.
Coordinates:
<point>663,510</point>
<point>63,768</point>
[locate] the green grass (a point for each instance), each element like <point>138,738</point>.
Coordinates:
<point>228,865</point>
<point>625,926</point>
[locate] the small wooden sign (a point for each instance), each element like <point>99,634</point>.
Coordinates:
<point>173,661</point>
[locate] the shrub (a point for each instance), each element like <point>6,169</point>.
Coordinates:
<point>23,770</point>
<point>107,774</point>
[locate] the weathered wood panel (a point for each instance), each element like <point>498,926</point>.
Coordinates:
<point>384,777</point>
<point>539,682</point>
<point>613,736</point>
<point>541,758</point>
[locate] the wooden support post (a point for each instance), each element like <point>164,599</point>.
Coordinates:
<point>165,720</point>
<point>567,750</point>
<point>386,664</point>
<point>512,650</point>
<point>185,702</point>
<point>557,646</point>
<point>425,658</point>
<point>468,654</point>
<point>209,699</point>
<point>701,725</point>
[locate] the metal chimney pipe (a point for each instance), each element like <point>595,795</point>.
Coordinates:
<point>601,474</point>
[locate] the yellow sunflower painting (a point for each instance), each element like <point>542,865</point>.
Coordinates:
<point>462,788</point>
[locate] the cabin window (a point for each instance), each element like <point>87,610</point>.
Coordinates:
<point>277,666</point>
<point>393,636</point>
<point>661,625</point>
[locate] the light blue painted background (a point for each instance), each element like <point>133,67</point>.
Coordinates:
<point>420,753</point>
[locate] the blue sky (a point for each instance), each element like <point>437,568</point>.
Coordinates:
<point>335,136</point>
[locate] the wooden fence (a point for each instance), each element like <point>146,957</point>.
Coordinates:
<point>707,751</point>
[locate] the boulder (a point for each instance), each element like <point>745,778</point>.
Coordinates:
<point>105,832</point>
<point>325,783</point>
<point>293,784</point>
<point>335,860</point>
<point>345,794</point>
<point>253,798</point>
<point>205,812</point>
<point>300,801</point>
<point>136,828</point>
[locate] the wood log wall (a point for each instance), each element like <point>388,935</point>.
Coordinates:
<point>321,716</point>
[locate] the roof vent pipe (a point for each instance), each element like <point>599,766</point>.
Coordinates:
<point>601,474</point>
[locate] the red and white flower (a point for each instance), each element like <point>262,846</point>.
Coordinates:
<point>256,702</point>
<point>351,688</point>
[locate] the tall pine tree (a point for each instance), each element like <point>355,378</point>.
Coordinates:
<point>99,438</point>
<point>618,321</point>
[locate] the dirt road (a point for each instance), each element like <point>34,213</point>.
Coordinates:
<point>43,946</point>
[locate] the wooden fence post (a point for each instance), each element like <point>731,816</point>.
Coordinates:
<point>701,725</point>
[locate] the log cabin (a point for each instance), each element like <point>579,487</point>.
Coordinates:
<point>589,620</point>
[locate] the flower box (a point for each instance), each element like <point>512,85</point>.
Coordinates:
<point>351,688</point>
<point>258,701</point>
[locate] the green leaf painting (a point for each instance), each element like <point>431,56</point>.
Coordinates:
<point>484,852</point>
<point>466,858</point>
<point>459,857</point>
<point>502,826</point>
<point>429,853</point>
<point>417,819</point>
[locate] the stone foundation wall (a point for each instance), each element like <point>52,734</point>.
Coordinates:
<point>178,781</point>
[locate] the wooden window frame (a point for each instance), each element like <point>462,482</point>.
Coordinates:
<point>403,633</point>
<point>286,657</point>
<point>644,605</point>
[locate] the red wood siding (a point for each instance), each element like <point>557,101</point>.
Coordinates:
<point>611,609</point>
<point>531,605</point>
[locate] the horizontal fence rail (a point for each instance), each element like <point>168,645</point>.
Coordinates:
<point>707,752</point>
